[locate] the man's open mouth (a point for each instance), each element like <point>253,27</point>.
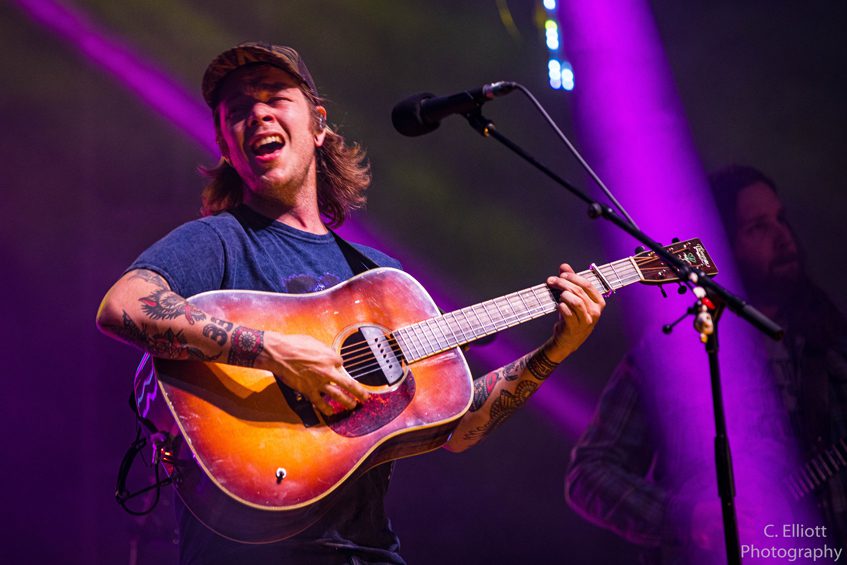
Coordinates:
<point>267,145</point>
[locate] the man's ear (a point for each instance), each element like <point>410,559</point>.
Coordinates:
<point>320,134</point>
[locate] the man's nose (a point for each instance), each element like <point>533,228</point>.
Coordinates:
<point>785,237</point>
<point>260,112</point>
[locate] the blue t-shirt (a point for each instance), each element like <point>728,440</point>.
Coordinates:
<point>242,249</point>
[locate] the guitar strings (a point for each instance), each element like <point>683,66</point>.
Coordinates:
<point>359,347</point>
<point>360,351</point>
<point>366,364</point>
<point>363,354</point>
<point>359,359</point>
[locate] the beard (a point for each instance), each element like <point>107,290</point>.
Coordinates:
<point>777,286</point>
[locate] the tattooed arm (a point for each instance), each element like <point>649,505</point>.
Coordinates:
<point>498,394</point>
<point>142,310</point>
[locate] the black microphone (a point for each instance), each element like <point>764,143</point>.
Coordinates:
<point>422,113</point>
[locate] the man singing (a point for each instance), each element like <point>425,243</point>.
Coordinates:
<point>284,178</point>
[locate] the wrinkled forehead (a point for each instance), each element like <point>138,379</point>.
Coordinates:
<point>256,79</point>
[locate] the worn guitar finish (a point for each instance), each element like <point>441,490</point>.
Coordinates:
<point>256,464</point>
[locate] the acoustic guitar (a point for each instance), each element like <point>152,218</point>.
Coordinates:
<point>256,463</point>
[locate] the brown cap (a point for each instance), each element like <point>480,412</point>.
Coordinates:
<point>249,53</point>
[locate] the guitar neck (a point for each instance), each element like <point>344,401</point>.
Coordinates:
<point>460,327</point>
<point>818,470</point>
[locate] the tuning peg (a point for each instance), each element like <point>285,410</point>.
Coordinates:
<point>675,240</point>
<point>662,289</point>
<point>682,288</point>
<point>640,249</point>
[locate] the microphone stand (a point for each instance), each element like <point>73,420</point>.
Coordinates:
<point>708,288</point>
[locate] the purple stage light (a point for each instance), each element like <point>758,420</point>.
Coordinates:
<point>632,125</point>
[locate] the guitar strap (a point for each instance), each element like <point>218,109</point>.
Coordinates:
<point>359,263</point>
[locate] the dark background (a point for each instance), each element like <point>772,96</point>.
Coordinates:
<point>91,175</point>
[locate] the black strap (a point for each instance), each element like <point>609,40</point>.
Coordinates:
<point>358,261</point>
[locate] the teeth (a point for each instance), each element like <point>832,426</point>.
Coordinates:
<point>266,140</point>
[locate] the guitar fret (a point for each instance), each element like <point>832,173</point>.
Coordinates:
<point>823,464</point>
<point>517,309</point>
<point>499,311</point>
<point>638,273</point>
<point>483,330</point>
<point>465,326</point>
<point>817,467</point>
<point>420,345</point>
<point>461,327</point>
<point>807,480</point>
<point>473,331</point>
<point>446,340</point>
<point>832,461</point>
<point>409,348</point>
<point>838,452</point>
<point>510,318</point>
<point>447,323</point>
<point>492,325</point>
<point>549,299</point>
<point>431,343</point>
<point>614,283</point>
<point>795,488</point>
<point>810,471</point>
<point>595,281</point>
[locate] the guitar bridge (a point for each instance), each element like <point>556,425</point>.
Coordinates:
<point>384,354</point>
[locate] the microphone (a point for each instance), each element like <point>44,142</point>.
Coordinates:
<point>422,113</point>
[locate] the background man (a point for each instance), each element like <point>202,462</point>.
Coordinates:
<point>618,476</point>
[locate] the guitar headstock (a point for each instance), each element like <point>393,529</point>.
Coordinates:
<point>654,270</point>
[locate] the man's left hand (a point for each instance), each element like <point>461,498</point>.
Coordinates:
<point>580,307</point>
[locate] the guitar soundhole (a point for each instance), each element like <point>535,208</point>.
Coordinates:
<point>371,356</point>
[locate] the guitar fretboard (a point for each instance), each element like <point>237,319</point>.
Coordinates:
<point>818,470</point>
<point>460,327</point>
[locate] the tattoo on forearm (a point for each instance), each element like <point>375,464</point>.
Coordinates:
<point>150,277</point>
<point>503,407</point>
<point>540,365</point>
<point>216,334</point>
<point>169,344</point>
<point>223,323</point>
<point>484,386</point>
<point>246,345</point>
<point>163,304</point>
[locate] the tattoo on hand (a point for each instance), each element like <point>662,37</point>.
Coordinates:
<point>246,345</point>
<point>163,304</point>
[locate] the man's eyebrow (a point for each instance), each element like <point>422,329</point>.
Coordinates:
<point>256,86</point>
<point>271,85</point>
<point>752,219</point>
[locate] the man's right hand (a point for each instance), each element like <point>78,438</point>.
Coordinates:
<point>311,368</point>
